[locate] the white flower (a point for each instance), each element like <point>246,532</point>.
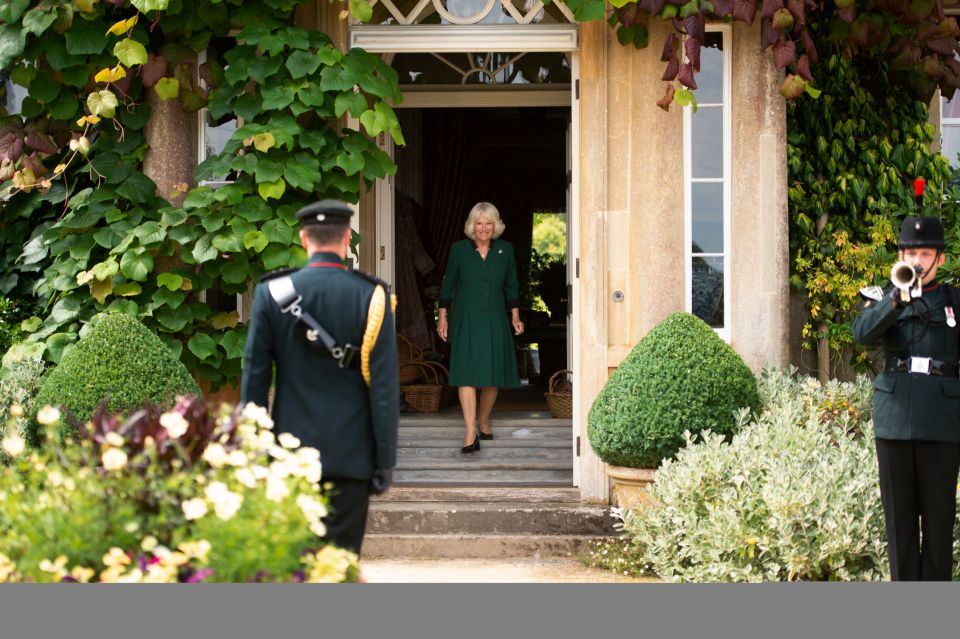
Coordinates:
<point>16,410</point>
<point>308,453</point>
<point>114,459</point>
<point>312,509</point>
<point>260,472</point>
<point>245,476</point>
<point>237,458</point>
<point>258,414</point>
<point>114,439</point>
<point>318,529</point>
<point>215,490</point>
<point>288,441</point>
<point>264,440</point>
<point>13,445</point>
<point>194,508</point>
<point>48,415</point>
<point>227,505</point>
<point>198,549</point>
<point>149,543</point>
<point>311,471</point>
<point>279,470</point>
<point>277,489</point>
<point>174,423</point>
<point>215,455</point>
<point>131,526</point>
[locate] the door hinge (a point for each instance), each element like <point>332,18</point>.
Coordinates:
<point>383,253</point>
<point>578,445</point>
<point>576,269</point>
<point>576,89</point>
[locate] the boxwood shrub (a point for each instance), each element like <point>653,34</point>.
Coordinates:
<point>120,361</point>
<point>680,377</point>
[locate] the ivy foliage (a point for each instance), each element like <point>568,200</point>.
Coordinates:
<point>853,155</point>
<point>85,229</point>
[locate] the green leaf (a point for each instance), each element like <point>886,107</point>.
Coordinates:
<point>228,242</point>
<point>235,271</point>
<point>301,63</point>
<point>202,345</point>
<point>276,98</point>
<point>225,320</point>
<point>312,95</point>
<point>262,67</point>
<point>66,309</point>
<point>278,231</point>
<point>150,5</point>
<point>167,88</point>
<point>275,256</point>
<point>136,265</point>
<point>355,103</point>
<point>31,324</point>
<point>138,188</point>
<point>329,55</point>
<point>172,319</point>
<point>149,233</point>
<point>130,52</point>
<point>58,344</point>
<point>233,343</point>
<point>337,79</point>
<point>65,107</point>
<point>255,240</point>
<point>248,106</point>
<point>12,41</point>
<point>102,103</point>
<point>274,190</point>
<point>351,163</point>
<point>85,38</point>
<point>100,289</point>
<point>268,171</point>
<point>170,281</point>
<point>105,270</point>
<point>127,289</point>
<point>166,297</point>
<point>37,21</point>
<point>12,10</point>
<point>303,172</point>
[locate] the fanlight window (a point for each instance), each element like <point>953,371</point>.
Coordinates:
<point>408,12</point>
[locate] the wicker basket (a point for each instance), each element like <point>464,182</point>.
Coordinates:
<point>410,357</point>
<point>559,403</point>
<point>425,398</point>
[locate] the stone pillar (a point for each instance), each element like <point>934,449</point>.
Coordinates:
<point>760,249</point>
<point>172,137</point>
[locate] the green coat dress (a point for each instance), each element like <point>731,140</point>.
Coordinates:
<point>478,293</point>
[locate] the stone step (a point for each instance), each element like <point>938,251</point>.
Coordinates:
<point>421,420</point>
<point>474,494</point>
<point>432,518</point>
<point>532,433</point>
<point>455,443</point>
<point>466,546</point>
<point>474,475</point>
<point>479,461</point>
<point>503,454</point>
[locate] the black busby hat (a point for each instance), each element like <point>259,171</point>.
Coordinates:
<point>921,232</point>
<point>325,212</point>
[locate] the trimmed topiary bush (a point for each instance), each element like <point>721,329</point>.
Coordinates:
<point>121,361</point>
<point>680,377</point>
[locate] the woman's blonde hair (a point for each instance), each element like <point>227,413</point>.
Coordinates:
<point>488,211</point>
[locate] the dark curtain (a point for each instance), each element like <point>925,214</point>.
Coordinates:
<point>446,146</point>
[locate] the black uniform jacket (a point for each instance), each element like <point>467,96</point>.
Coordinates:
<point>914,406</point>
<point>327,407</point>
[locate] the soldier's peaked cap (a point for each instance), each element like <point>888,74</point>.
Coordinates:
<point>325,212</point>
<point>921,232</point>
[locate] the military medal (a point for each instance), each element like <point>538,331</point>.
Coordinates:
<point>951,319</point>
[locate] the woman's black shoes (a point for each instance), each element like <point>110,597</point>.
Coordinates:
<point>484,435</point>
<point>472,448</point>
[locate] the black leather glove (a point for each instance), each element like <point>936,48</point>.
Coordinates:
<point>381,480</point>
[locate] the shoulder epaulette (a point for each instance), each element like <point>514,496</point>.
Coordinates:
<point>278,273</point>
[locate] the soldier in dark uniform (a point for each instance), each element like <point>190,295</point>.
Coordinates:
<point>916,407</point>
<point>329,332</point>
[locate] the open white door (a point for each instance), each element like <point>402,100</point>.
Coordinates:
<point>573,258</point>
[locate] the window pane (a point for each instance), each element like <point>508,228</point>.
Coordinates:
<point>707,208</point>
<point>950,109</point>
<point>707,142</point>
<point>951,142</point>
<point>482,68</point>
<point>707,293</point>
<point>13,95</point>
<point>710,78</point>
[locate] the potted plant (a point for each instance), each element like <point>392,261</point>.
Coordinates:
<point>680,377</point>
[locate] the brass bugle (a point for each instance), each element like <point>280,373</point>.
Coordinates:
<point>904,277</point>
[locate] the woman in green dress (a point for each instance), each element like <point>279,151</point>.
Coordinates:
<point>479,286</point>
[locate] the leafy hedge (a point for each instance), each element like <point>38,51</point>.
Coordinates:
<point>793,496</point>
<point>680,377</point>
<point>121,361</point>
